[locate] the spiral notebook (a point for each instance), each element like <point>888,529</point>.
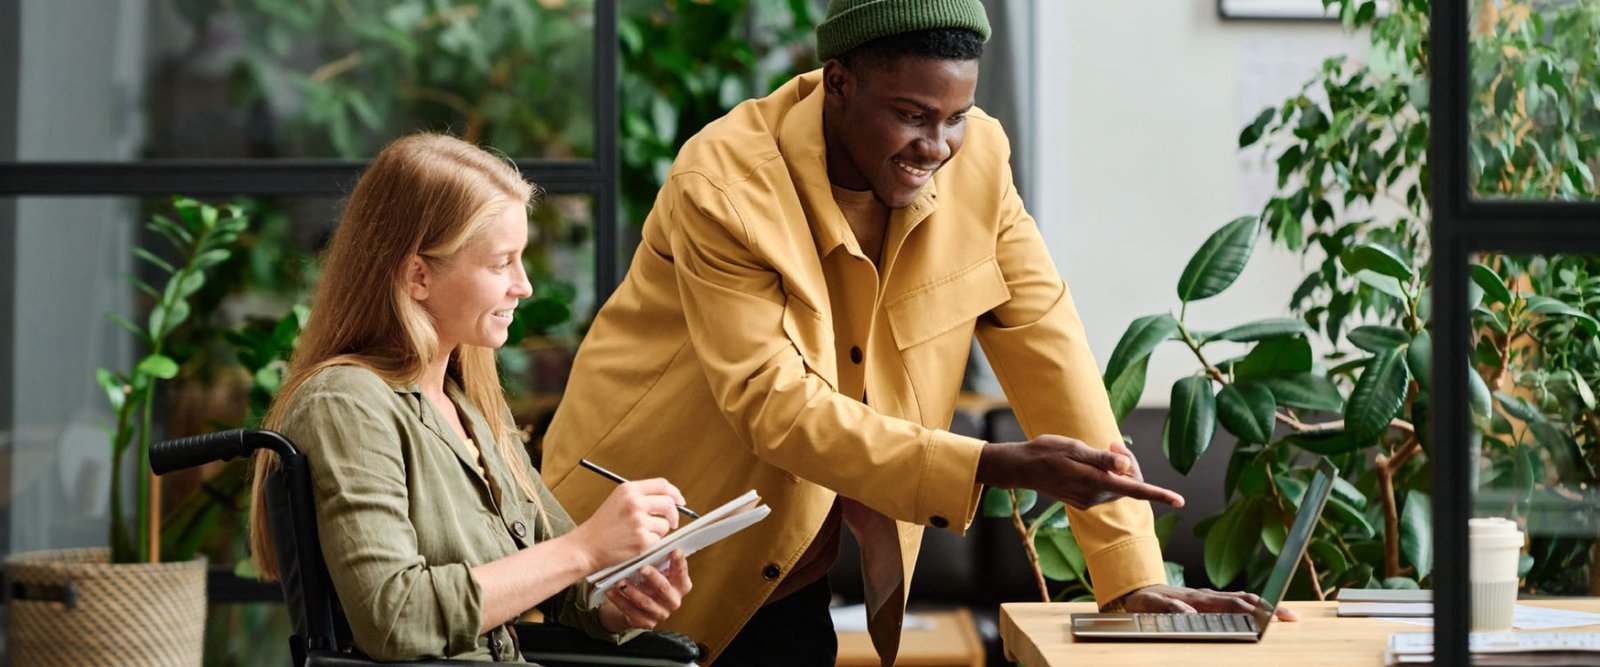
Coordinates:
<point>712,527</point>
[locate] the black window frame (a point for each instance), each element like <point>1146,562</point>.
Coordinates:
<point>1464,225</point>
<point>598,178</point>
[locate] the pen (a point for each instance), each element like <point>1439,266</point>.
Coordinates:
<point>618,479</point>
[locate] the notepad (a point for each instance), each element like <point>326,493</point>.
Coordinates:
<point>712,527</point>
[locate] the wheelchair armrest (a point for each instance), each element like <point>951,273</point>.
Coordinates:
<point>551,644</point>
<point>333,659</point>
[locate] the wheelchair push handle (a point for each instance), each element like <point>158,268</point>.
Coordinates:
<point>179,453</point>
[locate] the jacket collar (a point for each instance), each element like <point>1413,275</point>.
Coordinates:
<point>477,429</point>
<point>804,150</point>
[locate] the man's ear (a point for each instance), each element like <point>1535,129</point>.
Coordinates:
<point>838,83</point>
<point>415,277</point>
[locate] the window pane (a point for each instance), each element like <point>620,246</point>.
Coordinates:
<point>1534,106</point>
<point>1537,353</point>
<point>1536,362</point>
<point>173,79</point>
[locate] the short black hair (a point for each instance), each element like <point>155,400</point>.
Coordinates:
<point>932,44</point>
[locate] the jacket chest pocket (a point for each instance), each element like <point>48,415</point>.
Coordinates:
<point>952,303</point>
<point>812,335</point>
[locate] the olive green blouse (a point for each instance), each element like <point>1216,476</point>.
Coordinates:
<point>404,511</point>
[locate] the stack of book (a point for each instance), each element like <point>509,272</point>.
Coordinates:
<point>1389,602</point>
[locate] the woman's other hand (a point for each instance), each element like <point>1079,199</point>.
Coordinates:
<point>649,600</point>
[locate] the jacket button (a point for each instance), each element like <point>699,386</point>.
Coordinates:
<point>939,522</point>
<point>855,355</point>
<point>770,572</point>
<point>518,529</point>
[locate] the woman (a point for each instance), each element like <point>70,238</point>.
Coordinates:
<point>436,530</point>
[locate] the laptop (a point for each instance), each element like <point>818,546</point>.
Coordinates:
<point>1223,627</point>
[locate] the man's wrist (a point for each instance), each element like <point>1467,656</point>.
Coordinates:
<point>994,465</point>
<point>1120,604</point>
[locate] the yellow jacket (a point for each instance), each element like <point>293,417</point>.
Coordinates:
<point>715,364</point>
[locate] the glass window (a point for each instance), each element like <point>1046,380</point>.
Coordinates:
<point>329,79</point>
<point>1534,100</point>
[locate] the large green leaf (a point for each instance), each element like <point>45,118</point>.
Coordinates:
<point>1142,337</point>
<point>1220,260</point>
<point>157,365</point>
<point>1060,557</point>
<point>1494,288</point>
<point>1125,372</point>
<point>1052,562</point>
<point>1261,329</point>
<point>1304,390</point>
<point>1232,540</point>
<point>1191,422</point>
<point>1386,284</point>
<point>1377,396</point>
<point>112,385</point>
<point>1548,306</point>
<point>1416,532</point>
<point>1350,517</point>
<point>1376,338</point>
<point>1375,258</point>
<point>1332,559</point>
<point>1246,409</point>
<point>1275,357</point>
<point>1252,132</point>
<point>1126,390</point>
<point>1273,534</point>
<point>1477,393</point>
<point>1419,358</point>
<point>1349,493</point>
<point>997,501</point>
<point>1519,408</point>
<point>1165,526</point>
<point>1325,441</point>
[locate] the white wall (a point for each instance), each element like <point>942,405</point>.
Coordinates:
<point>1140,103</point>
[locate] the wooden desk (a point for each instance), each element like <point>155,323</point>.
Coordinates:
<point>951,642</point>
<point>1037,635</point>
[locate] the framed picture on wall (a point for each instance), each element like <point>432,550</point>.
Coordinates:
<point>1294,10</point>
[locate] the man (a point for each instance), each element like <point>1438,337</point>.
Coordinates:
<point>797,320</point>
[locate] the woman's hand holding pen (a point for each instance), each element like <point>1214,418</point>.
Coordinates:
<point>634,516</point>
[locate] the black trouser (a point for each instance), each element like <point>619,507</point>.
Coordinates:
<point>796,630</point>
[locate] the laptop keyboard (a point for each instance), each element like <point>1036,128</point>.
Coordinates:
<point>1195,623</point>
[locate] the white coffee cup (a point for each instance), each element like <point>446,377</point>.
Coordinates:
<point>1496,545</point>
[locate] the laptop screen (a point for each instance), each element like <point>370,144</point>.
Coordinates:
<point>1294,546</point>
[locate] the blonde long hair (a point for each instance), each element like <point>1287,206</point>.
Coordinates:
<point>425,194</point>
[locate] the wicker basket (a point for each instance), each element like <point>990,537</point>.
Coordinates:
<point>73,607</point>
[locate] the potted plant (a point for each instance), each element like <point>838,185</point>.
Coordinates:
<point>123,604</point>
<point>1351,154</point>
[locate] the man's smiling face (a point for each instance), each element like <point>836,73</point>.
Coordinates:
<point>891,124</point>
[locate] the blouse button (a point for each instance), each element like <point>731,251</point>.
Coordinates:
<point>855,355</point>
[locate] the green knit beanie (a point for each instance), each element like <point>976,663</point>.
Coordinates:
<point>851,23</point>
